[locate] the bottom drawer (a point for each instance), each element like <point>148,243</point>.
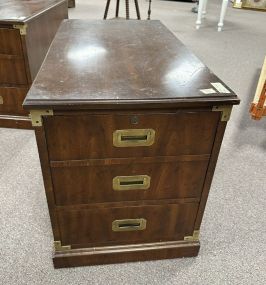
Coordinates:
<point>126,225</point>
<point>11,99</point>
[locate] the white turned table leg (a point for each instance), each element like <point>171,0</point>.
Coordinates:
<point>222,15</point>
<point>204,10</point>
<point>198,22</point>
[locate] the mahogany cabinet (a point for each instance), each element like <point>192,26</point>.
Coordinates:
<point>128,139</point>
<point>27,29</point>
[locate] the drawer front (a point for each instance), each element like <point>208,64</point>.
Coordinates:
<point>126,225</point>
<point>141,135</point>
<point>128,182</point>
<point>12,71</point>
<point>10,42</point>
<point>11,100</point>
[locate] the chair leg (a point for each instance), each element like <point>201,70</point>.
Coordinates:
<point>127,9</point>
<point>106,9</point>
<point>117,8</point>
<point>222,15</point>
<point>199,17</point>
<point>137,9</point>
<point>204,12</point>
<point>149,11</point>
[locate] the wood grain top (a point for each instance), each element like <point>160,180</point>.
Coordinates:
<point>20,11</point>
<point>106,64</point>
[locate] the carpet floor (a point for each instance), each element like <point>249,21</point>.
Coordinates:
<point>233,233</point>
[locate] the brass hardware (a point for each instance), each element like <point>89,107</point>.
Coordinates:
<point>195,236</point>
<point>133,137</point>
<point>22,29</point>
<point>136,182</point>
<point>59,247</point>
<point>226,112</point>
<point>1,100</point>
<point>36,116</point>
<point>129,225</point>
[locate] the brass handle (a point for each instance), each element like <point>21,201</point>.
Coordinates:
<point>129,225</point>
<point>133,137</point>
<point>136,182</point>
<point>1,100</point>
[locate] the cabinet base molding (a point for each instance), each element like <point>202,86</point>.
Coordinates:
<point>125,253</point>
<point>15,122</point>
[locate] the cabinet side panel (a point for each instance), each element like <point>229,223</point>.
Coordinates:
<point>44,159</point>
<point>40,33</point>
<point>210,172</point>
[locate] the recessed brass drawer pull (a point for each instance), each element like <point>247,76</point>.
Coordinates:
<point>137,182</point>
<point>133,137</point>
<point>129,225</point>
<point>1,100</point>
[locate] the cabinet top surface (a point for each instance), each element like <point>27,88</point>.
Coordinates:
<point>22,10</point>
<point>94,63</point>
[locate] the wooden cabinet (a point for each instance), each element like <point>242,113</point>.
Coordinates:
<point>128,141</point>
<point>27,29</point>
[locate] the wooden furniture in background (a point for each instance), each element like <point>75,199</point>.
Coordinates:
<point>71,3</point>
<point>128,139</point>
<point>257,5</point>
<point>117,9</point>
<point>258,106</point>
<point>27,29</point>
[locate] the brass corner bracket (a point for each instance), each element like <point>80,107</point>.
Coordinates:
<point>22,28</point>
<point>59,247</point>
<point>195,236</point>
<point>226,111</point>
<point>36,116</point>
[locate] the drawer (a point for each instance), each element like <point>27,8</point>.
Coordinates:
<point>11,100</point>
<point>10,42</point>
<point>86,227</point>
<point>12,70</point>
<point>122,135</point>
<point>128,181</point>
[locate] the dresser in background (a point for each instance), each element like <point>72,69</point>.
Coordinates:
<point>129,127</point>
<point>71,3</point>
<point>27,29</point>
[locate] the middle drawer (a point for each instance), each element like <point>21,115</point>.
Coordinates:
<point>128,180</point>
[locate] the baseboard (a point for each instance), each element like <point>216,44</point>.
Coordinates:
<point>125,253</point>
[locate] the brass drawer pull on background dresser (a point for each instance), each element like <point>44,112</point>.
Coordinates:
<point>137,182</point>
<point>129,225</point>
<point>133,137</point>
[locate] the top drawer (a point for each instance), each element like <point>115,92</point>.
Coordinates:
<point>10,42</point>
<point>77,137</point>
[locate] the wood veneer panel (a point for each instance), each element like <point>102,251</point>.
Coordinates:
<point>93,184</point>
<point>10,42</point>
<point>12,99</point>
<point>12,71</point>
<point>164,222</point>
<point>91,136</point>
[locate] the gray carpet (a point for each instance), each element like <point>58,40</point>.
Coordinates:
<point>233,233</point>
